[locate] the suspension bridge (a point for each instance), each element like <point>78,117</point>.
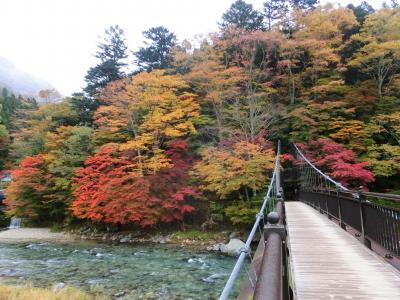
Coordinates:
<point>320,240</point>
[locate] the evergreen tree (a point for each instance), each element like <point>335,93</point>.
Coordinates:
<point>157,53</point>
<point>112,52</point>
<point>242,15</point>
<point>3,145</point>
<point>361,11</point>
<point>274,10</point>
<point>84,107</point>
<point>304,4</point>
<point>9,104</point>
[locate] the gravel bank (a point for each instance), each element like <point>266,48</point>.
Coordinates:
<point>33,234</point>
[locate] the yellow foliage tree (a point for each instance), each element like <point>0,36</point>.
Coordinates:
<point>246,166</point>
<point>146,111</point>
<point>379,55</point>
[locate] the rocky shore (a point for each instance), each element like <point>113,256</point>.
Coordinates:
<point>229,243</point>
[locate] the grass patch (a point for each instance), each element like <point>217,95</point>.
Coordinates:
<point>29,292</point>
<point>196,235</point>
<point>56,228</point>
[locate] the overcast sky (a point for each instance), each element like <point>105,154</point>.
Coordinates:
<point>56,39</point>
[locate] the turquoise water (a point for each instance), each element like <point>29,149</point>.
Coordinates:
<point>137,271</point>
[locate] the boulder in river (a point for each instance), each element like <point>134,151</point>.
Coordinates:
<point>234,235</point>
<point>233,247</point>
<point>215,247</point>
<point>58,286</point>
<point>125,239</point>
<point>212,278</point>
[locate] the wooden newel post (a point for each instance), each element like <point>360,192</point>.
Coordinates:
<point>270,283</point>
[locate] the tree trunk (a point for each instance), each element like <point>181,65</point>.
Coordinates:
<point>247,194</point>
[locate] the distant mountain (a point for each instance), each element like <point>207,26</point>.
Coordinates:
<point>20,82</point>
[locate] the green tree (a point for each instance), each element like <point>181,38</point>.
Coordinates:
<point>304,4</point>
<point>242,15</point>
<point>384,159</point>
<point>67,149</point>
<point>9,104</point>
<point>361,11</point>
<point>111,53</point>
<point>84,106</point>
<point>379,55</point>
<point>275,10</point>
<point>157,53</point>
<point>3,145</point>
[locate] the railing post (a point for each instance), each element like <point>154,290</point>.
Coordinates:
<point>362,199</point>
<point>278,169</point>
<point>341,223</point>
<point>327,209</point>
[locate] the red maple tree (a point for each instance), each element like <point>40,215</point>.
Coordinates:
<point>108,189</point>
<point>338,162</point>
<point>26,194</point>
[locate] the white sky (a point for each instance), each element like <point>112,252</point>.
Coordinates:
<point>56,39</point>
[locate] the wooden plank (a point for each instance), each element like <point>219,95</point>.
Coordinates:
<point>328,263</point>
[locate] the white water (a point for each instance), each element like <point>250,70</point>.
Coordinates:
<point>15,223</point>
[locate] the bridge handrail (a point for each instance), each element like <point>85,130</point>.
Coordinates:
<point>245,251</point>
<point>356,194</point>
<point>337,184</point>
<point>353,193</point>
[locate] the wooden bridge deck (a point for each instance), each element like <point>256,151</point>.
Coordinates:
<point>328,263</point>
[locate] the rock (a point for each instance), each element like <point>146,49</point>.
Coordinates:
<point>58,286</point>
<point>233,247</point>
<point>215,247</point>
<point>119,294</point>
<point>124,239</point>
<point>211,279</point>
<point>234,235</point>
<point>160,239</point>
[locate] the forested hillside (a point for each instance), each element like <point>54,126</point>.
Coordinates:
<point>189,135</point>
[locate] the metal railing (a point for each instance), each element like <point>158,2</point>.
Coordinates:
<point>273,190</point>
<point>375,216</point>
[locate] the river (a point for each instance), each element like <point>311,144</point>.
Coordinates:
<point>136,271</point>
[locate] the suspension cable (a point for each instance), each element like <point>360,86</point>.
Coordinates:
<point>326,177</point>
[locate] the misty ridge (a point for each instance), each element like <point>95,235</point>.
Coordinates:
<point>21,82</point>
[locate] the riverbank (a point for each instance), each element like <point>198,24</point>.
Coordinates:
<point>193,239</point>
<point>34,234</point>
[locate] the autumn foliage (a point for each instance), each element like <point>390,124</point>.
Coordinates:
<point>197,137</point>
<point>27,193</point>
<point>109,188</point>
<point>339,163</point>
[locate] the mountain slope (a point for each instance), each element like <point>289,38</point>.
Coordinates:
<point>19,81</point>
